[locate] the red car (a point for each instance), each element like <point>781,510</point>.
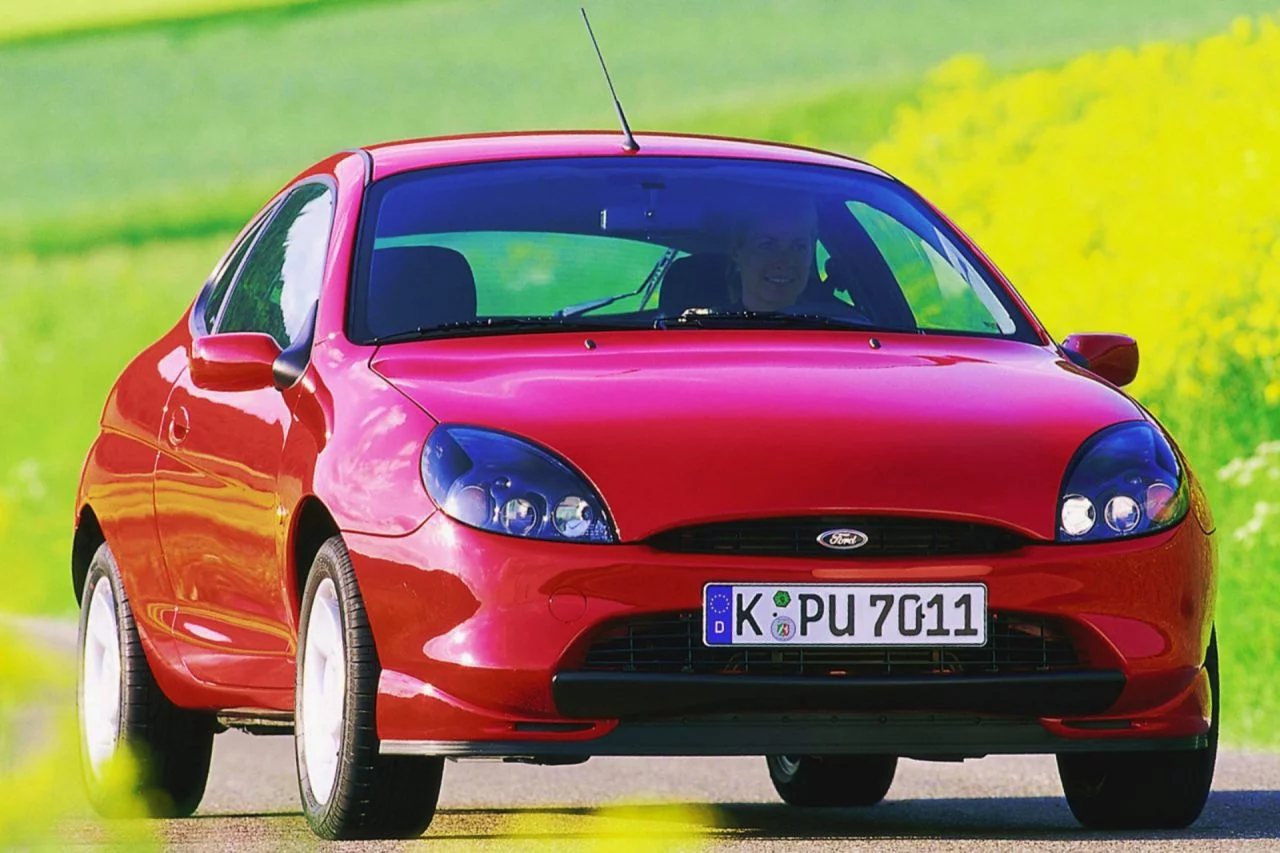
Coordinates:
<point>541,447</point>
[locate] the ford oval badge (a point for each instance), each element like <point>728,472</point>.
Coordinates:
<point>842,539</point>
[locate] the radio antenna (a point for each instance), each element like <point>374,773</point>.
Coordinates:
<point>630,143</point>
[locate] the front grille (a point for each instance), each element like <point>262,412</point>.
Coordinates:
<point>886,536</point>
<point>672,643</point>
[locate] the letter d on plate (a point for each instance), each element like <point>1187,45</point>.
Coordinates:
<point>718,614</point>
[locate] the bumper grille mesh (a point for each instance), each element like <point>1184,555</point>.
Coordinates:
<point>672,643</point>
<point>798,537</point>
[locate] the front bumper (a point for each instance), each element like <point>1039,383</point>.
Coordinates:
<point>481,640</point>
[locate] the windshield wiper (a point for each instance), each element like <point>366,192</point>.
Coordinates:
<point>693,317</point>
<point>584,307</point>
<point>703,318</point>
<point>647,287</point>
<point>500,325</point>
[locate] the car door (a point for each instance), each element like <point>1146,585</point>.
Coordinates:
<point>218,514</point>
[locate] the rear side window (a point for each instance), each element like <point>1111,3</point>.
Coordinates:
<point>281,276</point>
<point>228,274</point>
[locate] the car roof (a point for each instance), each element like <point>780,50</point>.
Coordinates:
<point>394,157</point>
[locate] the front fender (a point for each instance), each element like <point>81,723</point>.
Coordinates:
<point>357,446</point>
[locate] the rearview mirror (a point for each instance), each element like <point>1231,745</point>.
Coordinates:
<point>236,361</point>
<point>1113,357</point>
<point>631,220</point>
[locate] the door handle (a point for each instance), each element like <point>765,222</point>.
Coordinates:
<point>179,426</point>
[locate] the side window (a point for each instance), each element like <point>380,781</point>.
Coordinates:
<point>281,277</point>
<point>823,256</point>
<point>944,292</point>
<point>228,273</point>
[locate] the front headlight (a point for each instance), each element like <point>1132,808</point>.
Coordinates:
<point>504,484</point>
<point>1124,481</point>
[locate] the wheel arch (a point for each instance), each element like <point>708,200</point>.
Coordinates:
<point>84,545</point>
<point>313,525</point>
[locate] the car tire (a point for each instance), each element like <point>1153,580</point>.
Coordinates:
<point>120,706</point>
<point>349,790</point>
<point>1144,790</point>
<point>832,780</point>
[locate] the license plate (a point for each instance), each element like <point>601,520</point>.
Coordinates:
<point>950,614</point>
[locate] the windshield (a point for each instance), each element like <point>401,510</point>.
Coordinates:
<point>649,242</point>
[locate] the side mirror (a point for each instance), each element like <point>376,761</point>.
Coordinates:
<point>1113,357</point>
<point>237,361</point>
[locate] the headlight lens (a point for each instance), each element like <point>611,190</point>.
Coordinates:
<point>1078,515</point>
<point>574,517</point>
<point>519,516</point>
<point>1124,481</point>
<point>505,484</point>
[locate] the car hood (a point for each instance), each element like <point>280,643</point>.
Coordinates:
<point>689,426</point>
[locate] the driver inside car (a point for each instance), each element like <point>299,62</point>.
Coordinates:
<point>773,252</point>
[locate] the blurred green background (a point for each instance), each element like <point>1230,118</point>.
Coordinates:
<point>1122,187</point>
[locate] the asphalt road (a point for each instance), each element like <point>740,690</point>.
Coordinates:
<point>1005,803</point>
<point>996,803</point>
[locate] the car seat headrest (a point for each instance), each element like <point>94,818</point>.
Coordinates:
<point>414,287</point>
<point>696,281</point>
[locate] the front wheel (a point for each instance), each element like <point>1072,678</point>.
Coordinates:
<point>349,790</point>
<point>1144,790</point>
<point>121,707</point>
<point>832,780</point>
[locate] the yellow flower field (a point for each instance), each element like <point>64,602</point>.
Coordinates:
<point>1136,191</point>
<point>1129,190</point>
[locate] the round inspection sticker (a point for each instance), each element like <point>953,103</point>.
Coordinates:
<point>783,628</point>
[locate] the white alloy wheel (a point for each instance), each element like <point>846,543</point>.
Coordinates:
<point>123,708</point>
<point>349,789</point>
<point>100,663</point>
<point>324,689</point>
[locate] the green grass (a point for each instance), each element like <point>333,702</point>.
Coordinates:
<point>64,18</point>
<point>1248,633</point>
<point>102,128</point>
<point>1230,422</point>
<point>68,326</point>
